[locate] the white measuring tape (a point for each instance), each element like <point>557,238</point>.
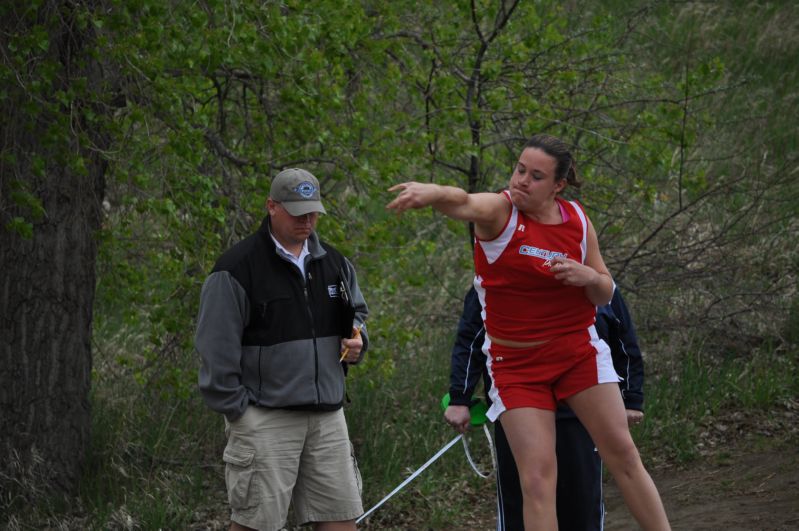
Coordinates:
<point>434,459</point>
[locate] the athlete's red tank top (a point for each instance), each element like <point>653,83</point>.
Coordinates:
<point>521,299</point>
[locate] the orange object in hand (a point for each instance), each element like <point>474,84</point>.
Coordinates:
<point>347,349</point>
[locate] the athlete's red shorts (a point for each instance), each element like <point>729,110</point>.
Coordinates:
<point>540,376</point>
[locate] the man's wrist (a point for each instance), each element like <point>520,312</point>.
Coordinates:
<point>459,398</point>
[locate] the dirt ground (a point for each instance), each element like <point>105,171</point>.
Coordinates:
<point>746,491</point>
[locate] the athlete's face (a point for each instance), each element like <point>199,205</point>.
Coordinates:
<point>290,230</point>
<point>532,186</point>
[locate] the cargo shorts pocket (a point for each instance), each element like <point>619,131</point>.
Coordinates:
<point>242,486</point>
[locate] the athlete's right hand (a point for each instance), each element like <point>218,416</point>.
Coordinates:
<point>458,417</point>
<point>413,195</point>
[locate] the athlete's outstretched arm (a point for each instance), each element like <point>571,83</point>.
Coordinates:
<point>487,211</point>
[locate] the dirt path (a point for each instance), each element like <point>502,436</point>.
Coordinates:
<point>756,490</point>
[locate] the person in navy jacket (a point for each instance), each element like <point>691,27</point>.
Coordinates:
<point>579,484</point>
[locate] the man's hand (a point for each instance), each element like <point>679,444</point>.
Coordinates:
<point>634,417</point>
<point>458,417</point>
<point>351,348</point>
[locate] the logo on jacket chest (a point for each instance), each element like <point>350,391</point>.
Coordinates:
<point>332,291</point>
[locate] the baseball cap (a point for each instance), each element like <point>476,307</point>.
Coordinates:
<point>298,191</point>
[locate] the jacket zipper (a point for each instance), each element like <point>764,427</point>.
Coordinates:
<point>313,333</point>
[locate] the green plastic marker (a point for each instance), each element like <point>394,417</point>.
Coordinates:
<point>477,411</point>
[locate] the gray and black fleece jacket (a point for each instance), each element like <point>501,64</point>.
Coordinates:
<point>268,336</point>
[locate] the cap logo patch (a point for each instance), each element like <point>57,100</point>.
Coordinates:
<point>306,189</point>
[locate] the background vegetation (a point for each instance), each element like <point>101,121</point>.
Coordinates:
<point>682,115</point>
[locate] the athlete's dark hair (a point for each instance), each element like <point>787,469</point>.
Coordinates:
<point>558,150</point>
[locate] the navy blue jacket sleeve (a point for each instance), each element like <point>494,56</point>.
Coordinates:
<point>468,361</point>
<point>615,326</point>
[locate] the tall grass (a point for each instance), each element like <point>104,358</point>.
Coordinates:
<point>151,463</point>
<point>397,426</point>
<point>689,409</point>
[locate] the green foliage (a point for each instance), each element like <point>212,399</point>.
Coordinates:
<point>20,226</point>
<point>49,107</point>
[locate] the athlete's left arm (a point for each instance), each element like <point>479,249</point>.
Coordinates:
<point>600,290</point>
<point>593,275</point>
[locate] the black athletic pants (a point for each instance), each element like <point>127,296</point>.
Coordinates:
<point>579,491</point>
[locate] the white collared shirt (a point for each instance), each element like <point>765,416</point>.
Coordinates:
<point>299,261</point>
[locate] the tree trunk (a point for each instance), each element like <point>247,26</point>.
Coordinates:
<point>47,279</point>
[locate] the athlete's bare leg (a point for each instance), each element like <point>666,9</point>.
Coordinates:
<point>531,436</point>
<point>601,410</point>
